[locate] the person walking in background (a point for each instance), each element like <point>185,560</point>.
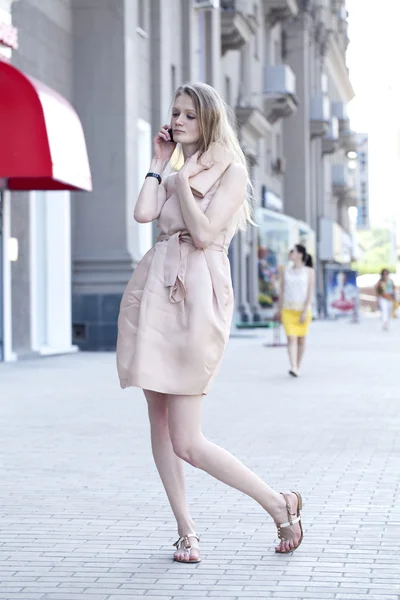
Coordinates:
<point>385,292</point>
<point>295,299</point>
<point>176,311</point>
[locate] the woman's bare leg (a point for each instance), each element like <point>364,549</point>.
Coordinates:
<point>293,352</point>
<point>189,443</point>
<point>301,346</point>
<point>170,468</point>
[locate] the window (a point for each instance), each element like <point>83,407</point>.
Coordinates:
<point>278,145</point>
<point>277,52</point>
<point>268,152</point>
<point>363,161</point>
<point>256,34</point>
<point>173,78</point>
<point>284,40</point>
<point>228,90</point>
<point>201,47</point>
<point>141,15</point>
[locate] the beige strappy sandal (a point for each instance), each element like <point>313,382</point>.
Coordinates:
<point>185,539</point>
<point>291,521</point>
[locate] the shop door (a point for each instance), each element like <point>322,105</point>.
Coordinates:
<point>1,281</point>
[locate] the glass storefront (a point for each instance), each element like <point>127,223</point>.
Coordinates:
<point>273,247</point>
<point>277,233</point>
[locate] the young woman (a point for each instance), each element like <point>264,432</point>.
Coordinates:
<point>297,288</point>
<point>385,292</point>
<point>176,311</point>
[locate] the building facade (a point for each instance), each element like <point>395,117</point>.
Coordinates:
<point>319,183</point>
<point>279,64</point>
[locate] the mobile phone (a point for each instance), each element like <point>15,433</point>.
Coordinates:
<point>170,134</point>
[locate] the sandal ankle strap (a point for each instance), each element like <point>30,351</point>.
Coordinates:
<point>185,540</point>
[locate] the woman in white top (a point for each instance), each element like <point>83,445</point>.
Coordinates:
<point>297,288</point>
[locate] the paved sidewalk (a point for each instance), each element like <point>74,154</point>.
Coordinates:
<point>83,515</point>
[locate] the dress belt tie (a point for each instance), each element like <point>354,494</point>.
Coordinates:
<point>178,247</point>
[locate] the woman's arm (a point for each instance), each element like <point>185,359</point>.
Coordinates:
<point>204,227</point>
<point>153,195</point>
<point>310,292</point>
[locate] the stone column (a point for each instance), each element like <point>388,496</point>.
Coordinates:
<point>243,296</point>
<point>296,130</point>
<point>105,239</point>
<point>188,47</point>
<point>235,273</point>
<point>253,275</point>
<point>252,236</point>
<point>213,45</point>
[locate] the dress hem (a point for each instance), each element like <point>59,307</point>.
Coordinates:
<point>151,388</point>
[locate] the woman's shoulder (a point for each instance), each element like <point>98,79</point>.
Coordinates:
<point>234,177</point>
<point>236,169</point>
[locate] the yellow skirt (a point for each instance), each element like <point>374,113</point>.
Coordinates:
<point>292,325</point>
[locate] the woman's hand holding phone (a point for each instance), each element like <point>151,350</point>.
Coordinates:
<point>164,145</point>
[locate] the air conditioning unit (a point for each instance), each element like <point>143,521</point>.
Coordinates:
<point>279,166</point>
<point>206,4</point>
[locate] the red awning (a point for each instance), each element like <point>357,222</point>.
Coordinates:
<point>42,145</point>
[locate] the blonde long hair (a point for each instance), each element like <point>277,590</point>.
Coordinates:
<point>217,125</point>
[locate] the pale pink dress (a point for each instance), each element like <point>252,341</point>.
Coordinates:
<point>176,310</point>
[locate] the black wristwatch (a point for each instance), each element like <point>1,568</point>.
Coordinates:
<point>156,175</point>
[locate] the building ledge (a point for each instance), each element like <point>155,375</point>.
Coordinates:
<point>280,10</point>
<point>254,120</point>
<point>280,107</point>
<point>280,100</point>
<point>236,28</point>
<point>329,145</point>
<point>330,142</point>
<point>320,115</point>
<point>343,184</point>
<point>348,140</point>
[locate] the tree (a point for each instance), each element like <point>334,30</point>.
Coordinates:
<point>379,251</point>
